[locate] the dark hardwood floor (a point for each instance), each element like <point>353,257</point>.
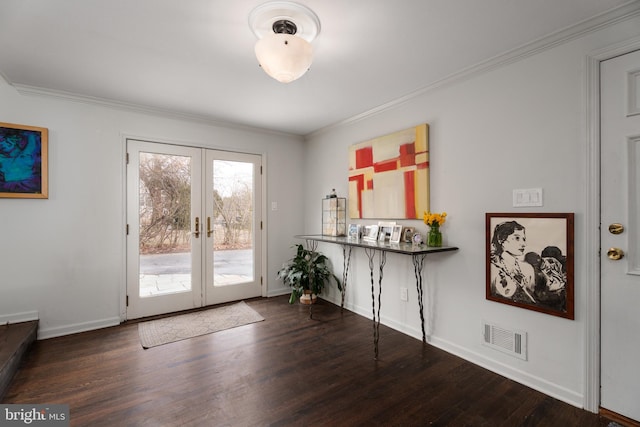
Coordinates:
<point>287,370</point>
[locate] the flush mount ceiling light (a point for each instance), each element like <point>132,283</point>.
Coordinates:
<point>285,31</point>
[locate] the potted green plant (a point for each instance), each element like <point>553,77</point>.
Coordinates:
<point>307,273</point>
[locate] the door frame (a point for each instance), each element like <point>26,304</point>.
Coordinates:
<point>123,173</point>
<point>591,396</point>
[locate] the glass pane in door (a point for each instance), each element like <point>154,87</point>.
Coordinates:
<point>233,222</point>
<point>165,224</point>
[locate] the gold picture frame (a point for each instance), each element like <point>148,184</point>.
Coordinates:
<point>24,154</point>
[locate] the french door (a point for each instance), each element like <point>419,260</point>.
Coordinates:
<point>193,227</point>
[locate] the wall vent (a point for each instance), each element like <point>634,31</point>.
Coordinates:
<point>504,340</point>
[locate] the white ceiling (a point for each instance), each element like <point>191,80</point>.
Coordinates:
<point>195,57</point>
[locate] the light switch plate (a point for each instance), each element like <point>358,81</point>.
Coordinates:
<point>527,197</point>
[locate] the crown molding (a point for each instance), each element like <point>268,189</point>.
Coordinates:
<point>143,109</point>
<point>626,11</point>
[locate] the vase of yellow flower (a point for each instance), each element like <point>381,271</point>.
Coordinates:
<point>434,221</point>
<point>434,237</point>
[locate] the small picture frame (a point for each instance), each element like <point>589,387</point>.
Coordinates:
<point>385,228</point>
<point>371,233</point>
<point>355,231</point>
<point>416,239</point>
<point>407,234</point>
<point>396,234</point>
<point>23,161</point>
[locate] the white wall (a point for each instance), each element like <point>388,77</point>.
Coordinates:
<point>521,125</point>
<point>64,257</point>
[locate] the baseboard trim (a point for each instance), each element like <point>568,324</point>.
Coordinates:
<point>25,316</point>
<point>547,387</point>
<point>400,327</point>
<point>551,389</point>
<point>278,291</point>
<point>46,333</point>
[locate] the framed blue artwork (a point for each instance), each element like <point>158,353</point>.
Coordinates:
<point>23,161</point>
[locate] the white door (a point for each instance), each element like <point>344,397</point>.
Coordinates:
<point>620,235</point>
<point>164,249</point>
<point>192,236</point>
<point>234,228</point>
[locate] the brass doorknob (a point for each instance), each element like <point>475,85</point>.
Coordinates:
<point>616,228</point>
<point>615,254</point>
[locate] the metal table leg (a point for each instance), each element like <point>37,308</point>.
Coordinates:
<point>376,315</point>
<point>418,265</point>
<point>346,256</point>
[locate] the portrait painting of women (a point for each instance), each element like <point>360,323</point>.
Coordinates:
<point>530,261</point>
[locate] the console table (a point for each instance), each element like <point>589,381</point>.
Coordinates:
<point>418,254</point>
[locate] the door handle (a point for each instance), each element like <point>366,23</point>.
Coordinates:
<point>209,230</point>
<point>197,232</point>
<point>616,228</point>
<point>615,254</point>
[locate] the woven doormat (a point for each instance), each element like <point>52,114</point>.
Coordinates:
<point>184,326</point>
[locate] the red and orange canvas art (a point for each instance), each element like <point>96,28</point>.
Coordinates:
<point>389,175</point>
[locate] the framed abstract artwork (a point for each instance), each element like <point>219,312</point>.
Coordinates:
<point>530,261</point>
<point>389,175</point>
<point>23,161</point>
